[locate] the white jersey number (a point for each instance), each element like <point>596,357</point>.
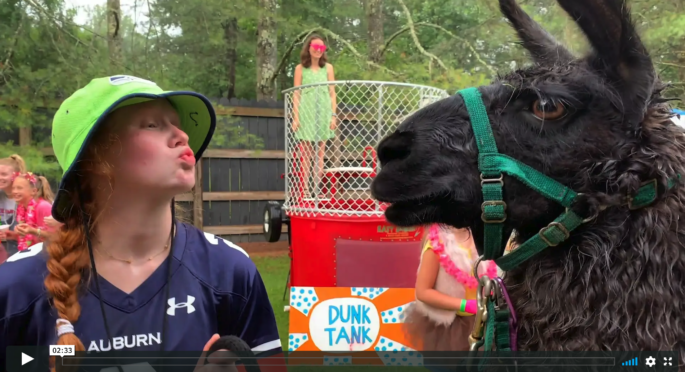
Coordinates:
<point>30,252</point>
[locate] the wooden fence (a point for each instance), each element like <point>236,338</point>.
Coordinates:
<point>237,183</point>
<point>233,185</point>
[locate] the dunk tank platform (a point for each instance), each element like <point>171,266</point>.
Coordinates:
<point>352,273</point>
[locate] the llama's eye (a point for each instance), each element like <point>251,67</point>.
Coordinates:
<point>548,110</point>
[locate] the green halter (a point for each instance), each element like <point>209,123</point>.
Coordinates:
<point>492,165</point>
<point>492,325</point>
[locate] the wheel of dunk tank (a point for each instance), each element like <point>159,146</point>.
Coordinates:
<point>340,243</point>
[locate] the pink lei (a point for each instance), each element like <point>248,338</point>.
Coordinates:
<point>465,278</point>
<point>28,216</point>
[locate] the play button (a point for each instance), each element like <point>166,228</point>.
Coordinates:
<point>25,359</point>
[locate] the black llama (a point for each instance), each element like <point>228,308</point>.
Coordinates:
<point>596,124</point>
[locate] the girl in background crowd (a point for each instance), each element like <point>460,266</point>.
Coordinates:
<point>442,318</point>
<point>44,190</point>
<point>31,209</point>
<point>9,166</point>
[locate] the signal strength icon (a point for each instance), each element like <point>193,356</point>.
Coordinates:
<point>632,362</point>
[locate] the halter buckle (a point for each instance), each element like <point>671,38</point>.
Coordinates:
<point>559,226</point>
<point>486,203</point>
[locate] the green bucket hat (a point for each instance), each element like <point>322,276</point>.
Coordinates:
<point>80,116</point>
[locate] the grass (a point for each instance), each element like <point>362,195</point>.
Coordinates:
<point>274,272</point>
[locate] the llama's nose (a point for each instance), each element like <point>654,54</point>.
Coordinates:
<point>396,146</point>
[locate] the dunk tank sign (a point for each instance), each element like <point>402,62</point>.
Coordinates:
<point>343,319</point>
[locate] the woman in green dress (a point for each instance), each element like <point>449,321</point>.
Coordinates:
<point>314,108</point>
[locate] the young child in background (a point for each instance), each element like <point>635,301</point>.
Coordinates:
<point>8,166</point>
<point>441,318</point>
<point>44,191</point>
<point>31,210</point>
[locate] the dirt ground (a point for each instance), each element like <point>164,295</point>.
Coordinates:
<point>265,249</point>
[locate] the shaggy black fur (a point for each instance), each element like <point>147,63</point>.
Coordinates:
<point>619,282</point>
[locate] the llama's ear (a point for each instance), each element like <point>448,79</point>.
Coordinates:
<point>542,46</point>
<point>618,50</point>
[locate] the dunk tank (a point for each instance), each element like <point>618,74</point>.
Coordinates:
<point>352,272</point>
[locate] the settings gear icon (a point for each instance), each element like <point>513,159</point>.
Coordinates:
<point>651,362</point>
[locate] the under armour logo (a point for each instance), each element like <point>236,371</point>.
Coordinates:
<point>173,305</point>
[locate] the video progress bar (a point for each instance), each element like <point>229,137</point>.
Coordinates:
<point>292,361</point>
<point>527,361</point>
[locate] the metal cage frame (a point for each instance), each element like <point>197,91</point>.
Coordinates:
<point>365,112</point>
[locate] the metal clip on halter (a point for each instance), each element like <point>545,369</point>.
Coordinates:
<point>483,293</point>
<point>500,301</point>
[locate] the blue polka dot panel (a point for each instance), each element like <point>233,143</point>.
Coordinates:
<point>302,299</point>
<point>295,340</point>
<point>395,315</point>
<point>394,353</point>
<point>368,292</point>
<point>337,360</point>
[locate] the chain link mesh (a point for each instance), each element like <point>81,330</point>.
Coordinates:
<point>329,171</point>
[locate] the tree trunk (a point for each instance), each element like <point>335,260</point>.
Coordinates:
<point>283,78</point>
<point>114,22</point>
<point>375,37</point>
<point>267,56</point>
<point>231,36</point>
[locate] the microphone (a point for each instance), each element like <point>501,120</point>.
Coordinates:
<point>239,348</point>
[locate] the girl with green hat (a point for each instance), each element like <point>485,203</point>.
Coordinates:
<point>122,273</point>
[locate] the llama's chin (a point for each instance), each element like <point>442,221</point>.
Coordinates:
<point>411,213</point>
<point>424,211</point>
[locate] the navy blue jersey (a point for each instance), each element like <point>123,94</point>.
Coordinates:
<point>215,288</point>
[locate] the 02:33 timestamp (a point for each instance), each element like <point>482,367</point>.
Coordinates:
<point>62,350</point>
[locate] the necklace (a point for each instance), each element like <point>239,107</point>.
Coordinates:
<point>463,277</point>
<point>106,253</point>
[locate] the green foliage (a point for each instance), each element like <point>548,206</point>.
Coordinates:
<point>229,135</point>
<point>182,44</point>
<point>36,161</point>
